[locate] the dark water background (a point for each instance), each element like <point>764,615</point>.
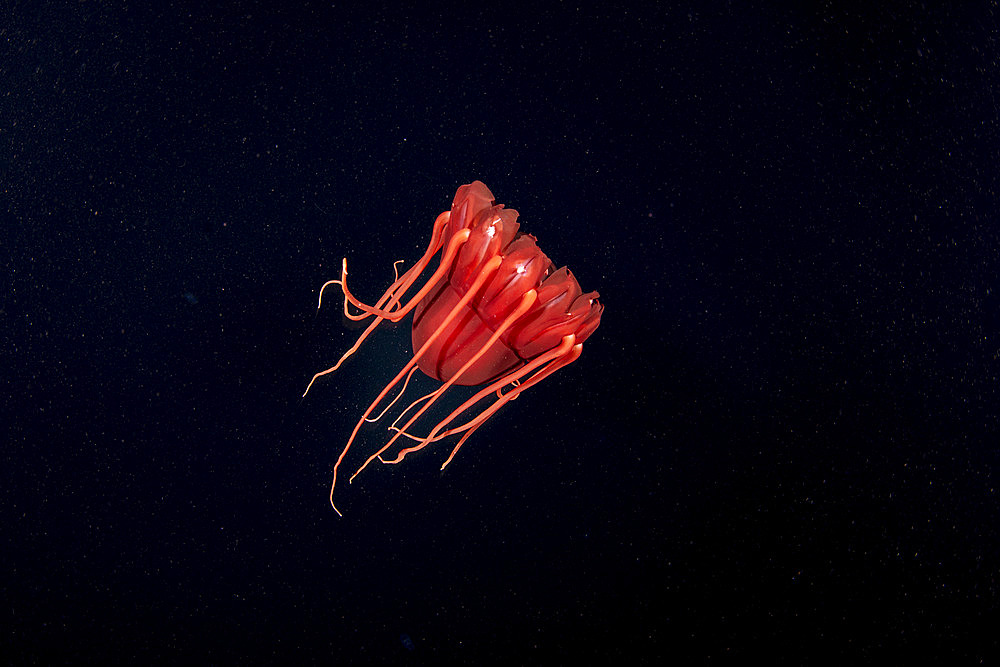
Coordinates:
<point>780,444</point>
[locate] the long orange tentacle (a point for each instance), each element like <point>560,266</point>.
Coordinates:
<point>515,390</point>
<point>488,270</point>
<point>454,244</point>
<point>407,279</point>
<point>543,373</point>
<point>516,387</point>
<point>391,295</point>
<point>527,300</point>
<point>398,396</point>
<point>352,350</point>
<point>562,349</point>
<point>402,283</point>
<point>390,291</point>
<point>393,427</point>
<point>556,364</point>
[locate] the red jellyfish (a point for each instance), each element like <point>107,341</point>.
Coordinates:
<point>495,312</point>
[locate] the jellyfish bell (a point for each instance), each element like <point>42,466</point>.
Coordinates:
<point>495,312</point>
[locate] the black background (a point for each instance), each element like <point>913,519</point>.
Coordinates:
<point>780,444</point>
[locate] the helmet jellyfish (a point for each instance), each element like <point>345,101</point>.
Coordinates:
<point>495,312</point>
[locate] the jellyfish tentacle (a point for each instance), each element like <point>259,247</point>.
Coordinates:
<point>488,271</point>
<point>564,348</point>
<point>396,315</point>
<point>390,299</point>
<point>553,366</point>
<point>398,396</point>
<point>527,301</point>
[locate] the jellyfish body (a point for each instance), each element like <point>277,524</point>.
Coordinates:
<point>495,312</point>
